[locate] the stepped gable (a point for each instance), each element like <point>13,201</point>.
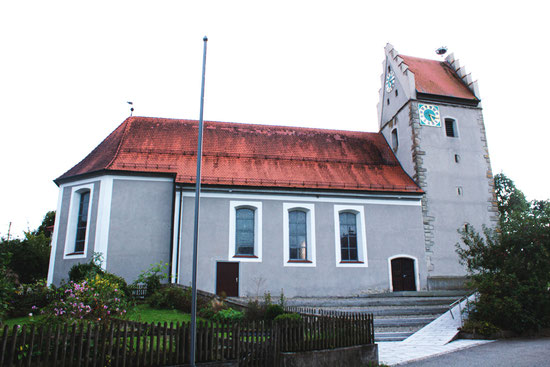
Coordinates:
<point>250,155</point>
<point>439,78</point>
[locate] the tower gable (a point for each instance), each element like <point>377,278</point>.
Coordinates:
<point>390,103</point>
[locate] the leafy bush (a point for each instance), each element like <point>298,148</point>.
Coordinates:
<point>7,286</point>
<point>479,327</point>
<point>266,310</point>
<point>96,299</point>
<point>27,296</point>
<point>175,297</point>
<point>510,267</point>
<point>80,272</point>
<point>171,298</point>
<point>288,316</point>
<point>272,311</point>
<point>152,277</point>
<point>120,282</point>
<point>254,311</point>
<point>228,315</point>
<point>207,313</point>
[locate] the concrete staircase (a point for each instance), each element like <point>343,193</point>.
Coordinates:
<point>397,315</point>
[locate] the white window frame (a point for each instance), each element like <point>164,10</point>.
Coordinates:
<point>70,238</point>
<point>257,207</point>
<point>309,209</point>
<point>455,127</point>
<point>362,258</point>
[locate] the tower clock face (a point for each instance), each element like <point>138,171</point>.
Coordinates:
<point>390,81</point>
<point>429,115</point>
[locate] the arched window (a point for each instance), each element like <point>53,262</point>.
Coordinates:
<point>350,241</point>
<point>297,235</point>
<point>82,221</point>
<point>348,236</point>
<point>450,128</point>
<point>244,232</point>
<point>394,140</point>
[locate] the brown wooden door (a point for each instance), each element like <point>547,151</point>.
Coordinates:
<point>402,274</point>
<point>227,279</point>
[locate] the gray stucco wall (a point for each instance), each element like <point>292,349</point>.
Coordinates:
<point>397,100</point>
<point>428,155</point>
<point>65,244</point>
<point>390,230</point>
<point>140,226</point>
<point>450,211</point>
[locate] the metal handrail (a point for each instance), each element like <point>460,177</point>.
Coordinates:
<point>459,301</point>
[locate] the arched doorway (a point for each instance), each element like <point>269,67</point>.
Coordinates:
<point>403,274</point>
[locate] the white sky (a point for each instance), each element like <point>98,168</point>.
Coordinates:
<point>67,69</point>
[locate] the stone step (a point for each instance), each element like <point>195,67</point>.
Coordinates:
<point>392,336</point>
<point>369,302</point>
<point>394,310</point>
<point>450,293</point>
<point>407,322</point>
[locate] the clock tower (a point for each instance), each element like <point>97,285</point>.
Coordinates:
<point>430,114</point>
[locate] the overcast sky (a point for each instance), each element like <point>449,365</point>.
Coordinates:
<point>67,69</point>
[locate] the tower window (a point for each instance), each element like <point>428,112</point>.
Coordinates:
<point>82,222</point>
<point>450,128</point>
<point>396,93</point>
<point>388,100</point>
<point>457,158</point>
<point>394,140</point>
<point>459,191</point>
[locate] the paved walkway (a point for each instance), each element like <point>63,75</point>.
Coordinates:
<point>501,353</point>
<point>432,340</point>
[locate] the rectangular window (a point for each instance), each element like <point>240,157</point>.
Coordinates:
<point>450,128</point>
<point>82,222</point>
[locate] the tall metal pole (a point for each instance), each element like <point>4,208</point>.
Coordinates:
<point>196,226</point>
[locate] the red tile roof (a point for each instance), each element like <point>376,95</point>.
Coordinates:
<point>250,155</point>
<point>437,77</point>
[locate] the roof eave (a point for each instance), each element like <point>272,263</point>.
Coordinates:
<point>103,172</point>
<point>474,102</point>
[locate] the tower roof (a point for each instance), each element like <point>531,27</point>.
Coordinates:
<point>437,78</point>
<point>249,155</point>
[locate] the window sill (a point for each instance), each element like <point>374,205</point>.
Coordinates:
<point>300,261</point>
<point>246,256</point>
<point>351,262</point>
<point>75,253</point>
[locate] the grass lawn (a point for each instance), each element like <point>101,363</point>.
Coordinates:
<point>144,313</point>
<point>141,313</point>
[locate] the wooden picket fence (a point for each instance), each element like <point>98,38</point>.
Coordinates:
<point>134,344</point>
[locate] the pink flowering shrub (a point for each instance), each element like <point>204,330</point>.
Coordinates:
<point>95,299</point>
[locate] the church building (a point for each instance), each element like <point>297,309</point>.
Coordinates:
<point>311,212</point>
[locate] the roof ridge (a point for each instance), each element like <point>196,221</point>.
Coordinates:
<point>265,126</point>
<point>119,146</point>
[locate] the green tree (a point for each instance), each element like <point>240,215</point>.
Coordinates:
<point>510,199</point>
<point>48,221</point>
<point>30,256</point>
<point>510,265</point>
